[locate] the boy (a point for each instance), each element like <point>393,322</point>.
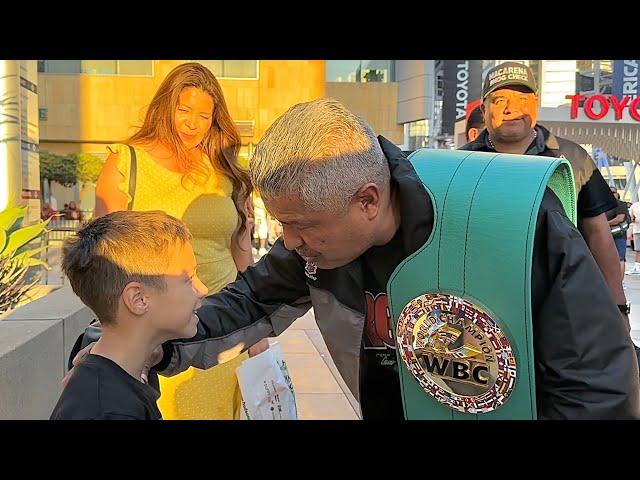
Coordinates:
<point>136,271</point>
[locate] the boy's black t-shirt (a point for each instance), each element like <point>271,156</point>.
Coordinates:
<point>100,389</point>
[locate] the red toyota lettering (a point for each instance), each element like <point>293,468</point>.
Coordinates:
<point>633,109</point>
<point>588,107</point>
<point>575,99</point>
<point>618,105</point>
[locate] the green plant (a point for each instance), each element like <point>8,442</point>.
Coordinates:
<point>88,167</point>
<point>15,256</point>
<point>58,168</point>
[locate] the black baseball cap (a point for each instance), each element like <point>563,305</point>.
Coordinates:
<point>508,73</point>
<point>475,117</point>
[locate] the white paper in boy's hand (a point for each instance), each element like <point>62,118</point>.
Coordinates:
<point>266,387</point>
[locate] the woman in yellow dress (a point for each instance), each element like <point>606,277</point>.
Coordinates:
<point>186,164</point>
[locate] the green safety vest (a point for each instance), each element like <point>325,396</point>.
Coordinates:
<point>461,304</point>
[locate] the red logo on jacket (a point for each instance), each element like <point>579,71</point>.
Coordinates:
<point>378,328</point>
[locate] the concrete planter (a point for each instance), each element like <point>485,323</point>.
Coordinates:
<point>36,293</point>
<point>35,343</point>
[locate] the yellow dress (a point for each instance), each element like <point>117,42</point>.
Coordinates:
<point>209,213</point>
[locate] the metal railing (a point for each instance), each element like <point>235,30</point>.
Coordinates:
<point>58,230</point>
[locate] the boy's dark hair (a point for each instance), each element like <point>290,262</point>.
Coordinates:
<point>475,120</point>
<point>116,249</point>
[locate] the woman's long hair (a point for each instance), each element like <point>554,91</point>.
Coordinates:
<point>221,144</point>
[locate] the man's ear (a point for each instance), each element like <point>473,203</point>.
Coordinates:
<point>368,198</point>
<point>135,298</point>
<point>473,134</point>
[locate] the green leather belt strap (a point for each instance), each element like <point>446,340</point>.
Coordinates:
<point>481,246</point>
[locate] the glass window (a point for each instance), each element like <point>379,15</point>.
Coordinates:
<point>585,80</point>
<point>97,67</point>
<point>377,71</point>
<point>360,71</point>
<point>605,76</point>
<point>240,68</point>
<point>60,66</point>
<point>418,134</point>
<point>232,68</point>
<point>342,70</point>
<point>594,76</point>
<point>215,66</point>
<point>135,67</point>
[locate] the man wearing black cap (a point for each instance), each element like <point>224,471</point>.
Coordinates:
<point>510,108</point>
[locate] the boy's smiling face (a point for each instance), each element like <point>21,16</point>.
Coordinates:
<point>172,310</point>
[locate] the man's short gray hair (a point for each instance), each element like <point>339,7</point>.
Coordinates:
<point>321,152</point>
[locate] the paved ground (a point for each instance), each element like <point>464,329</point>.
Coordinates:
<point>632,291</point>
<point>320,391</point>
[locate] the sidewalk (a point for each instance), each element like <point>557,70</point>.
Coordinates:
<point>321,394</point>
<point>632,291</point>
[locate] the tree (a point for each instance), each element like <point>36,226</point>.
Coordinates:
<point>88,167</point>
<point>58,168</point>
<point>374,76</point>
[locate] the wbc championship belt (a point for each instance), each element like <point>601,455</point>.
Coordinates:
<point>461,304</point>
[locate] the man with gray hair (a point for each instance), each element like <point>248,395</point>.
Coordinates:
<point>352,209</point>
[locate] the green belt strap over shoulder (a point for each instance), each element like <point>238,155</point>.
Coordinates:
<point>461,304</point>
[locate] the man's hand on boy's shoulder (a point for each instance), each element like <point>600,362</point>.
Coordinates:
<point>75,362</point>
<point>154,359</point>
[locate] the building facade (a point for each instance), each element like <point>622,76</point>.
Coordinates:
<point>86,104</point>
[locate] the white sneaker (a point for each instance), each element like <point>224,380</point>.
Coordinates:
<point>633,271</point>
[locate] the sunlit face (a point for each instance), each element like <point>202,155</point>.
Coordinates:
<point>193,115</point>
<point>172,310</point>
<point>326,239</point>
<point>510,113</point>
